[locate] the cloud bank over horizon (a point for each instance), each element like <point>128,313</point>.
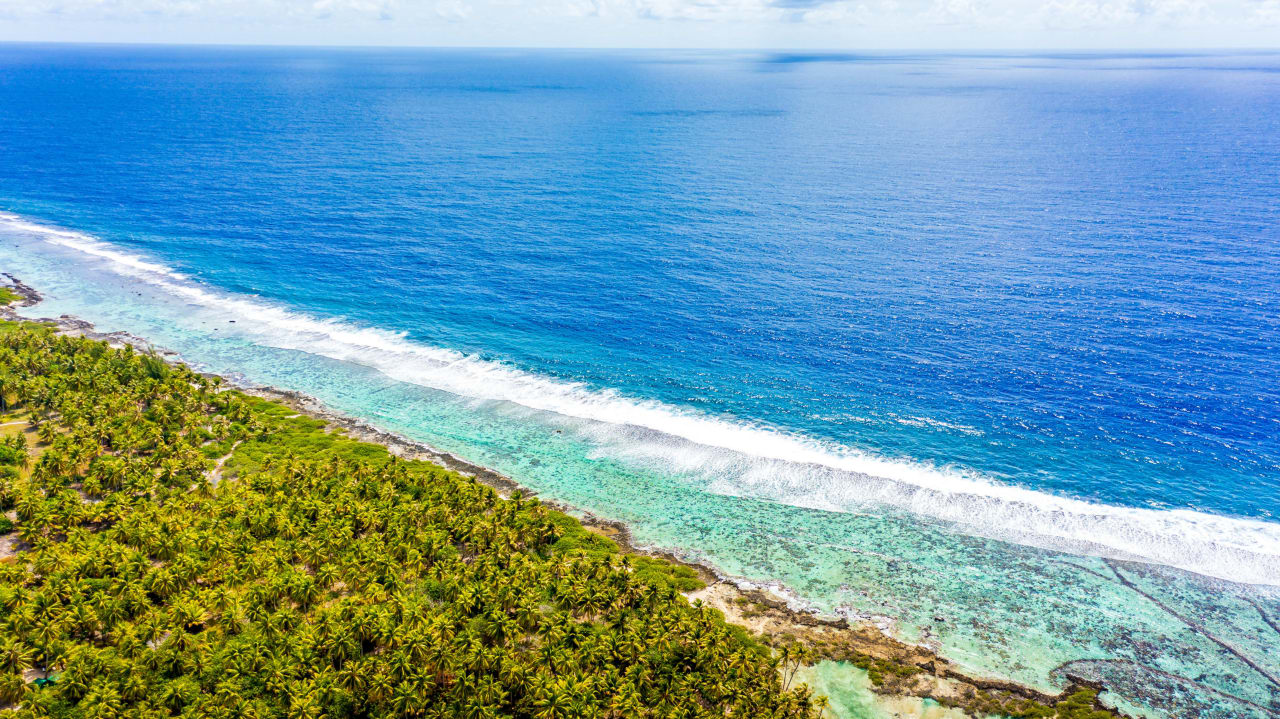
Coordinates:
<point>955,24</point>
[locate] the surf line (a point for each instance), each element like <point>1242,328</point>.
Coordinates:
<point>922,489</point>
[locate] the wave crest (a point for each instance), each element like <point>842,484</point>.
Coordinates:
<point>736,457</point>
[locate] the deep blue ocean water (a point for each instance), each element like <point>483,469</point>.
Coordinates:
<point>989,312</point>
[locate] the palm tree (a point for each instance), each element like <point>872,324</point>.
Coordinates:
<point>317,580</point>
<point>9,388</point>
<point>15,657</point>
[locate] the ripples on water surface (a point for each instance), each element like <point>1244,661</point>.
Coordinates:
<point>986,344</point>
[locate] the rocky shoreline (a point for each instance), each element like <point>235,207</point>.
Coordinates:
<point>897,669</point>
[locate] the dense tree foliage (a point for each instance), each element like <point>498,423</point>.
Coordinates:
<point>185,550</point>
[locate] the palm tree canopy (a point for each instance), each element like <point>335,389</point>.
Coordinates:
<point>321,577</point>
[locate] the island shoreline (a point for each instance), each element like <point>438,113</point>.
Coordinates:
<point>904,669</point>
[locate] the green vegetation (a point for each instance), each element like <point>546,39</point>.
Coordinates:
<point>878,669</point>
<point>8,296</point>
<point>910,672</point>
<point>189,551</point>
<point>886,674</point>
<point>657,572</point>
<point>1081,704</point>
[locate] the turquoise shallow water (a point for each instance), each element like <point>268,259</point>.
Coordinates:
<point>849,690</point>
<point>981,347</point>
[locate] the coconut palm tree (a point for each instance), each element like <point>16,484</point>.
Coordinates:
<point>322,577</point>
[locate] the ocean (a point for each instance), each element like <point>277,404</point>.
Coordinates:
<point>983,347</point>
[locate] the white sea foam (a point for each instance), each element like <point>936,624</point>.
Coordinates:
<point>736,457</point>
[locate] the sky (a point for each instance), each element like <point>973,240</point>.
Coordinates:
<point>768,24</point>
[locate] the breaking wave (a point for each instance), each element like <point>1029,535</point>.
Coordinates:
<point>730,456</point>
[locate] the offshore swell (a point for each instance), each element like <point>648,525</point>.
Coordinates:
<point>729,457</point>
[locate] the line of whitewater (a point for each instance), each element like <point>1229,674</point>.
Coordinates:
<point>733,457</point>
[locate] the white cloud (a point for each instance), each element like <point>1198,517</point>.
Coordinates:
<point>1267,12</point>
<point>1066,14</point>
<point>576,8</point>
<point>960,12</point>
<point>767,23</point>
<point>375,8</point>
<point>1085,14</point>
<point>732,10</point>
<point>1080,14</point>
<point>453,10</point>
<point>141,9</point>
<point>845,13</point>
<point>1012,14</point>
